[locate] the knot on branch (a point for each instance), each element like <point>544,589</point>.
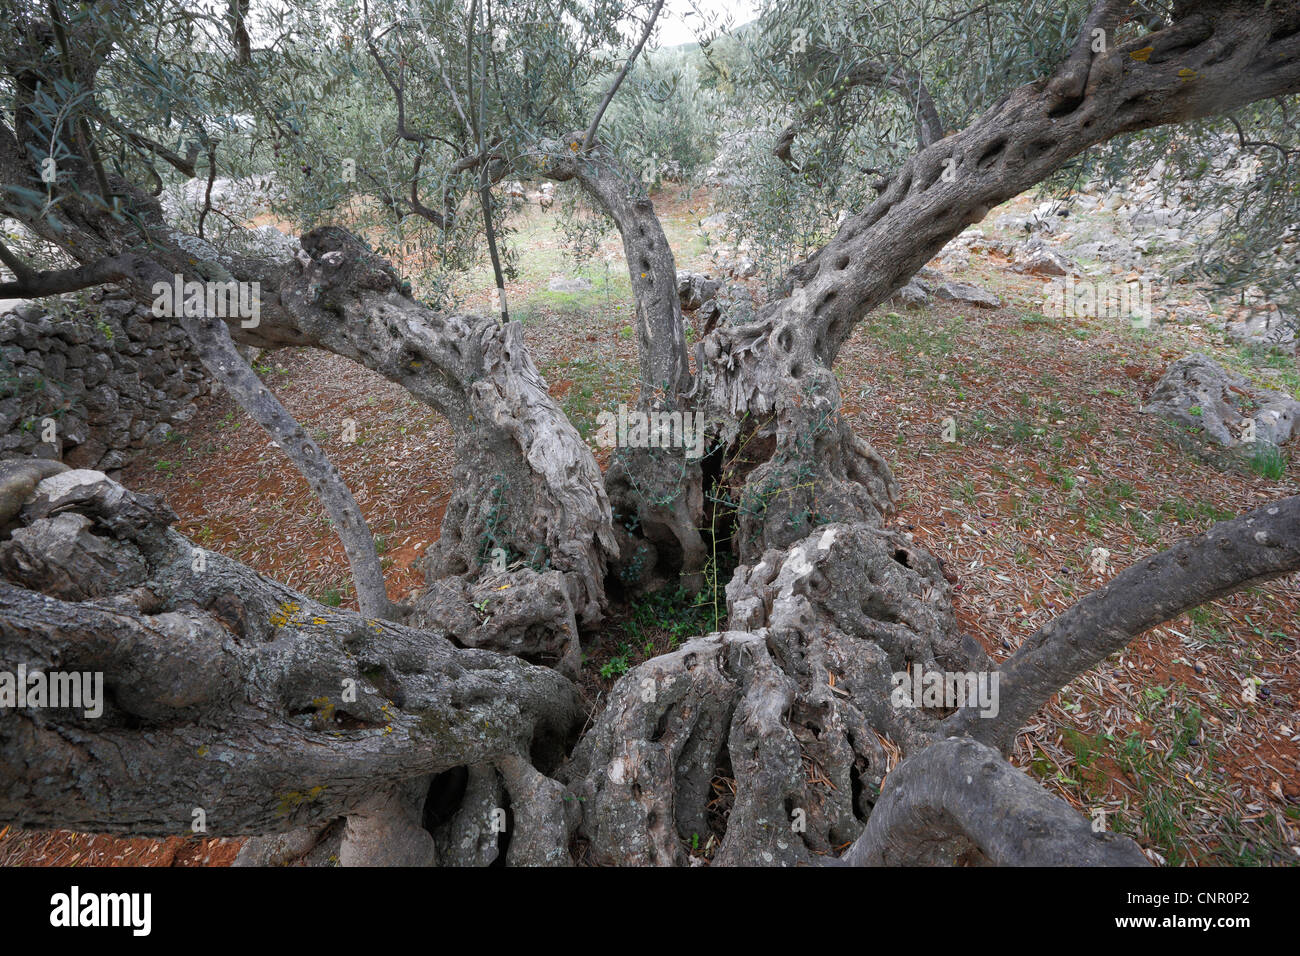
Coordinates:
<point>76,534</point>
<point>336,259</point>
<point>559,158</point>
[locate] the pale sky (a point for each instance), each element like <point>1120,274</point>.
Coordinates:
<point>678,22</point>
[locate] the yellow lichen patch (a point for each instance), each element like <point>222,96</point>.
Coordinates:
<point>286,614</point>
<point>324,708</point>
<point>1143,54</point>
<point>295,798</point>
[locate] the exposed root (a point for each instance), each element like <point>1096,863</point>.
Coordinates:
<point>958,801</point>
<point>794,698</point>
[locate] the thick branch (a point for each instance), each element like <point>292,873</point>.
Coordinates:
<point>223,690</point>
<point>1071,79</point>
<point>212,342</point>
<point>1234,554</point>
<point>525,480</point>
<point>661,339</point>
<point>1202,65</point>
<point>31,284</point>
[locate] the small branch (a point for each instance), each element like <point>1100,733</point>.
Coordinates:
<point>419,208</point>
<point>398,87</point>
<point>19,268</point>
<point>618,80</point>
<point>485,201</point>
<point>484,185</point>
<point>184,164</point>
<point>207,193</point>
<point>929,128</point>
<point>31,284</point>
<point>471,33</point>
<point>1258,143</point>
<point>239,32</point>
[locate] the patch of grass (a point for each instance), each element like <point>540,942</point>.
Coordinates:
<point>965,490</point>
<point>675,612</point>
<point>617,665</point>
<point>1086,749</point>
<point>595,387</point>
<point>1269,461</point>
<point>1249,359</point>
<point>1036,320</point>
<point>654,624</point>
<point>1021,431</point>
<point>916,334</point>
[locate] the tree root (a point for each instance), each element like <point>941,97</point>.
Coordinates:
<point>958,801</point>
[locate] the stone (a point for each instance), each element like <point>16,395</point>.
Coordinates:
<point>744,267</point>
<point>1036,258</point>
<point>695,289</point>
<point>1198,393</point>
<point>914,295</point>
<point>967,294</point>
<point>1262,328</point>
<point>86,455</point>
<point>569,284</point>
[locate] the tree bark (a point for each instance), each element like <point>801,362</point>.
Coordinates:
<point>959,803</point>
<point>1207,63</point>
<point>226,691</point>
<point>658,491</point>
<point>661,339</point>
<point>525,481</point>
